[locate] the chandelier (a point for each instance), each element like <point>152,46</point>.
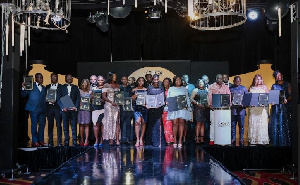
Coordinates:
<point>43,14</point>
<point>216,14</point>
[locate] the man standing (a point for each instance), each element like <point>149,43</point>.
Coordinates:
<point>238,112</point>
<point>148,78</point>
<point>225,80</point>
<point>37,109</point>
<point>53,111</point>
<point>70,114</point>
<point>126,116</point>
<point>216,88</point>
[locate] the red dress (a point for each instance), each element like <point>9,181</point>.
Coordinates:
<point>168,124</point>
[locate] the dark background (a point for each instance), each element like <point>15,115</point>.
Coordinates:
<point>171,38</point>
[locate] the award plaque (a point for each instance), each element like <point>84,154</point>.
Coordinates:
<point>97,97</point>
<point>141,98</point>
<point>51,95</point>
<point>181,102</point>
<point>203,99</point>
<point>274,97</point>
<point>225,100</point>
<point>67,102</point>
<point>160,100</point>
<point>119,97</point>
<point>28,82</point>
<point>263,99</point>
<point>150,101</point>
<point>127,104</point>
<point>172,104</point>
<point>282,97</point>
<point>84,103</point>
<point>237,99</point>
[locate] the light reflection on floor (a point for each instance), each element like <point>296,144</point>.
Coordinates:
<point>147,165</point>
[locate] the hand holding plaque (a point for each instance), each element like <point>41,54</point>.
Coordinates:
<point>97,97</point>
<point>141,98</point>
<point>85,103</point>
<point>119,97</point>
<point>127,104</point>
<point>181,102</point>
<point>28,82</point>
<point>237,99</point>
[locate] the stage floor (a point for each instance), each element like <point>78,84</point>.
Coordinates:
<point>142,165</point>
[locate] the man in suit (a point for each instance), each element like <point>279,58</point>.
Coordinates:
<point>37,109</point>
<point>69,113</point>
<point>53,111</point>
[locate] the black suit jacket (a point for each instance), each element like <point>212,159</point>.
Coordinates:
<point>74,95</point>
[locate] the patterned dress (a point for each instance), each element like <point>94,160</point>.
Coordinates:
<point>84,116</point>
<point>258,120</point>
<point>280,122</point>
<point>200,113</point>
<point>168,124</point>
<point>111,114</point>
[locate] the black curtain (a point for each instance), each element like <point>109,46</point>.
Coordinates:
<point>169,38</point>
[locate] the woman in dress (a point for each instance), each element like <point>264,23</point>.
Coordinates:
<point>168,125</point>
<point>200,111</point>
<point>84,116</point>
<point>140,112</point>
<point>98,113</point>
<point>281,114</point>
<point>111,120</point>
<point>258,116</point>
<point>154,131</point>
<point>179,117</point>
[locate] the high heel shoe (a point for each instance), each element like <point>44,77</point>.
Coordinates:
<point>137,144</point>
<point>141,143</point>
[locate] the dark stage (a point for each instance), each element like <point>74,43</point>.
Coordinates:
<point>150,165</point>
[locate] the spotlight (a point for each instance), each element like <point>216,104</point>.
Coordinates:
<point>120,12</point>
<point>101,20</point>
<point>253,15</point>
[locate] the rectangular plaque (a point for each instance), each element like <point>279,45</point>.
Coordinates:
<point>274,97</point>
<point>28,82</point>
<point>263,99</point>
<point>225,100</point>
<point>150,101</point>
<point>84,103</point>
<point>127,104</point>
<point>67,102</point>
<point>172,104</point>
<point>141,98</point>
<point>119,97</point>
<point>51,95</point>
<point>181,102</point>
<point>160,100</point>
<point>203,99</point>
<point>97,97</point>
<point>237,99</point>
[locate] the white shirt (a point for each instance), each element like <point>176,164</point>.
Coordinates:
<point>54,86</point>
<point>69,89</point>
<point>39,86</point>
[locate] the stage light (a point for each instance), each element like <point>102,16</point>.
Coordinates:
<point>120,12</point>
<point>101,20</point>
<point>253,15</point>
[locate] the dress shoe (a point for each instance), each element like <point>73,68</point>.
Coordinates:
<point>50,144</point>
<point>59,144</point>
<point>66,143</point>
<point>42,144</point>
<point>241,143</point>
<point>35,144</point>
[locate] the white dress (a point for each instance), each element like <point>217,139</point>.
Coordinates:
<point>258,120</point>
<point>183,113</point>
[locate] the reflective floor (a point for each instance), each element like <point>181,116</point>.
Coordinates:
<point>147,165</point>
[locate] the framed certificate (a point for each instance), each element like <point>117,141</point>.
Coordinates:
<point>51,95</point>
<point>237,99</point>
<point>160,100</point>
<point>127,104</point>
<point>84,103</point>
<point>141,98</point>
<point>28,82</point>
<point>263,99</point>
<point>203,99</point>
<point>181,102</point>
<point>150,101</point>
<point>67,102</point>
<point>225,100</point>
<point>97,97</point>
<point>119,97</point>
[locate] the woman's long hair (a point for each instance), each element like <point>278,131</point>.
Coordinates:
<point>88,84</point>
<point>174,80</point>
<point>253,81</point>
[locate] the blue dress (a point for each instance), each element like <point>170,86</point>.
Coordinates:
<point>280,121</point>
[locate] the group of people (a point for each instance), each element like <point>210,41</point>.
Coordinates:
<point>153,126</point>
